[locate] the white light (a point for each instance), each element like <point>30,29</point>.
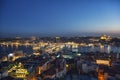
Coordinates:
<point>11,54</point>
<point>79,54</point>
<point>58,55</point>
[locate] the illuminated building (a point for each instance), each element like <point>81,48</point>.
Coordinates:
<point>18,71</point>
<point>43,65</point>
<point>100,75</point>
<point>21,73</point>
<point>71,55</point>
<point>11,57</point>
<point>58,69</point>
<point>4,58</point>
<point>15,55</point>
<point>104,62</point>
<point>36,50</point>
<point>105,37</point>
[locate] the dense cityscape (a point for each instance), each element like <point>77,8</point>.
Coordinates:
<point>59,39</point>
<point>60,58</point>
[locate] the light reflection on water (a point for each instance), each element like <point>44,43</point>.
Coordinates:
<point>9,49</point>
<point>29,50</point>
<point>106,49</point>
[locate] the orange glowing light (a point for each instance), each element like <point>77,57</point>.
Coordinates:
<point>67,65</point>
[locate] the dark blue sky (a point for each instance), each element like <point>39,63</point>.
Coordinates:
<point>53,17</point>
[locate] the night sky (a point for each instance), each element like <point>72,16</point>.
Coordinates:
<point>58,17</point>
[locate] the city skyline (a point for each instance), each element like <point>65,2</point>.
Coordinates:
<point>64,17</point>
